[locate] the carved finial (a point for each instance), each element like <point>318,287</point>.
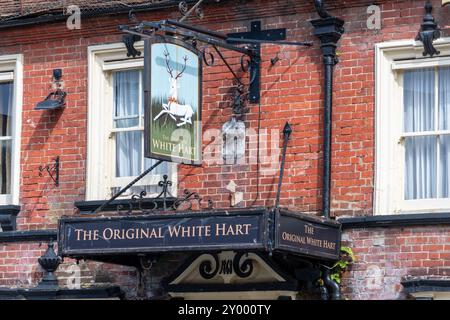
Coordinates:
<point>429,31</point>
<point>49,262</point>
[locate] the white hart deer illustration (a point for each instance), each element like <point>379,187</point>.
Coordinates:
<point>172,107</point>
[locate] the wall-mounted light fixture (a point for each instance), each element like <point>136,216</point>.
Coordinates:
<point>55,99</point>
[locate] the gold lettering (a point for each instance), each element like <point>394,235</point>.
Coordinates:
<point>110,231</point>
<point>247,226</point>
<point>87,235</point>
<point>207,231</point>
<point>174,231</point>
<point>309,230</point>
<point>230,230</point>
<point>329,245</point>
<point>78,231</point>
<point>314,242</point>
<point>220,229</point>
<point>96,234</point>
<point>293,238</point>
<point>184,231</point>
<point>144,231</point>
<point>128,235</point>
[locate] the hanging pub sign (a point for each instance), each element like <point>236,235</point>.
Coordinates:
<point>173,101</point>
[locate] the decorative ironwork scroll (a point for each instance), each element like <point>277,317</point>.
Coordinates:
<point>189,201</point>
<point>245,268</point>
<point>206,269</point>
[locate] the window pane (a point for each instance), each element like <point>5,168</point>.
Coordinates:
<point>6,94</point>
<point>161,169</point>
<point>128,153</point>
<point>444,98</point>
<point>126,98</point>
<point>5,166</point>
<point>419,100</point>
<point>444,191</point>
<point>420,171</point>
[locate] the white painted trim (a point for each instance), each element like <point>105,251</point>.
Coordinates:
<point>423,63</point>
<point>119,65</point>
<point>390,59</point>
<point>6,76</point>
<point>102,59</point>
<point>12,66</point>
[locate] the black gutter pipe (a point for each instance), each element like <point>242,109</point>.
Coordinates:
<point>329,30</point>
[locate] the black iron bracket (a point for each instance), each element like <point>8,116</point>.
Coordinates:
<point>52,170</point>
<point>246,43</point>
<point>255,37</point>
<point>129,40</point>
<point>429,31</point>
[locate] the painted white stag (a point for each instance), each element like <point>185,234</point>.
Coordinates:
<point>172,107</point>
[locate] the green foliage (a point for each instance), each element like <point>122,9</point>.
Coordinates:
<point>347,258</point>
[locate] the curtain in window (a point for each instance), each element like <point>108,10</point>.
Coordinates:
<point>420,182</point>
<point>444,124</point>
<point>6,96</point>
<point>420,152</point>
<point>126,115</point>
<point>127,111</point>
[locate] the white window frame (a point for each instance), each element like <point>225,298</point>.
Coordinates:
<point>391,59</point>
<point>102,61</point>
<point>11,69</point>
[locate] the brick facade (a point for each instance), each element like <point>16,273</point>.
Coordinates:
<point>292,89</point>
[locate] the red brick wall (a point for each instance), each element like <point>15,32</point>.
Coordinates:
<point>291,90</point>
<point>386,256</point>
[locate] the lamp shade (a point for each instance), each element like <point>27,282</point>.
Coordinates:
<point>54,100</point>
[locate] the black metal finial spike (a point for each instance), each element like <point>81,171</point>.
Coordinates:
<point>429,31</point>
<point>287,130</point>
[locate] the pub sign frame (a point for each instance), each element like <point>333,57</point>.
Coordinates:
<point>173,101</point>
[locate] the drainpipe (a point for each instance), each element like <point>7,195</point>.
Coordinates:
<point>329,30</point>
<point>333,288</point>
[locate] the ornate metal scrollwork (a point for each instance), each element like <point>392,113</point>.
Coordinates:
<point>206,269</point>
<point>132,16</point>
<point>151,204</point>
<point>188,199</point>
<point>183,8</point>
<point>245,269</point>
<point>429,32</point>
<point>207,62</point>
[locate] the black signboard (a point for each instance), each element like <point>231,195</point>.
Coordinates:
<point>169,232</point>
<point>306,235</point>
<point>238,229</point>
